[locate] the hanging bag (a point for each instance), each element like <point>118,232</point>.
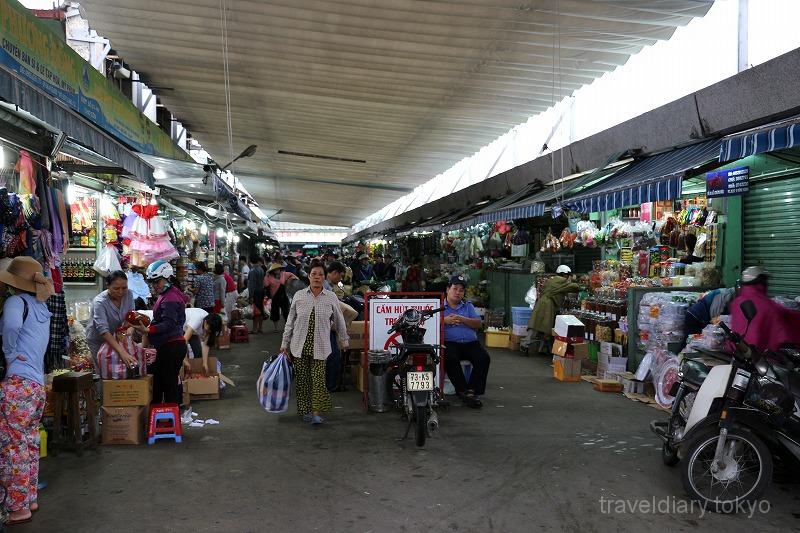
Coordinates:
<point>274,385</point>
<point>111,364</point>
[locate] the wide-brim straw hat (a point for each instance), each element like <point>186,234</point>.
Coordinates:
<point>25,274</point>
<point>274,266</point>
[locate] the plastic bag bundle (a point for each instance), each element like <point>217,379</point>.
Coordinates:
<point>107,261</point>
<point>274,385</point>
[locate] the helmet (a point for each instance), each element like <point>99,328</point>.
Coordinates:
<point>159,269</point>
<point>754,274</point>
<point>563,269</point>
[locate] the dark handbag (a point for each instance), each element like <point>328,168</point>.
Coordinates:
<point>3,364</point>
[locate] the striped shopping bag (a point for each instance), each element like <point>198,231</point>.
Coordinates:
<point>274,385</point>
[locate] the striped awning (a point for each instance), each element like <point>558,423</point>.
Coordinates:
<point>781,137</point>
<point>653,179</point>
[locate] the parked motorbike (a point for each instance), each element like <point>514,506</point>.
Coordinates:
<point>693,371</point>
<point>744,414</point>
<point>412,379</point>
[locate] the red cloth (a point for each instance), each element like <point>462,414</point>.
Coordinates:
<point>58,282</point>
<point>773,326</point>
<point>230,285</point>
<point>217,306</point>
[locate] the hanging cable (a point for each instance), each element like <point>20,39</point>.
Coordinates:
<point>223,7</point>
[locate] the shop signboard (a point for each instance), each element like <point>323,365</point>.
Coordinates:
<point>731,182</point>
<point>383,312</point>
<point>40,57</point>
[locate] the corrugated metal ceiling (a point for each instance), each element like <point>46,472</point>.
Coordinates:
<point>409,86</point>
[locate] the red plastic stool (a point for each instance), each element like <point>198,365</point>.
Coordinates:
<point>240,334</point>
<point>165,422</point>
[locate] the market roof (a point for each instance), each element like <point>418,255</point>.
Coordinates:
<point>353,103</point>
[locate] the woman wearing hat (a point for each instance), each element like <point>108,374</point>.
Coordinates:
<point>543,317</point>
<point>25,326</point>
<point>275,283</point>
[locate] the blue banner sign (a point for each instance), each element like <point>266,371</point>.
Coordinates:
<point>731,182</point>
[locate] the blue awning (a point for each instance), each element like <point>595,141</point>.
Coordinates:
<point>653,179</point>
<point>782,137</point>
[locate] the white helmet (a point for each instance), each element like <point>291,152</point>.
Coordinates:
<point>159,269</point>
<point>754,274</point>
<point>563,269</point>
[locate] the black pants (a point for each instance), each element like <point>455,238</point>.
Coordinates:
<point>279,304</point>
<point>476,354</point>
<point>169,359</point>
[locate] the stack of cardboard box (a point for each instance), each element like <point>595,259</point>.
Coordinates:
<point>569,348</point>
<point>125,403</point>
<point>611,360</point>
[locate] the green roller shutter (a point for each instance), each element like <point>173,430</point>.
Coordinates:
<point>772,231</point>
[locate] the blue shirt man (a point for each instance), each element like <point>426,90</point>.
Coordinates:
<point>461,344</point>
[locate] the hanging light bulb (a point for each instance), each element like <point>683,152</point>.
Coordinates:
<point>220,233</point>
<point>236,239</point>
<point>204,229</point>
<point>192,225</point>
<point>230,235</point>
<point>211,211</point>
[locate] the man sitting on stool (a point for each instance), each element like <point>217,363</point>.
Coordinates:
<point>461,344</point>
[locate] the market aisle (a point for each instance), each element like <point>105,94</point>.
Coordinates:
<point>539,456</point>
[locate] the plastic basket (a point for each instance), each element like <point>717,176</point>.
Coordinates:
<point>520,315</point>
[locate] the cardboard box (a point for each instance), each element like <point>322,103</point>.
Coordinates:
<point>123,425</point>
<point>198,386</point>
<point>571,351</point>
<point>128,392</point>
<point>569,326</point>
<point>610,348</point>
<point>356,333</point>
<point>566,369</point>
<point>607,361</point>
<point>568,340</point>
<point>608,385</point>
<point>514,342</point>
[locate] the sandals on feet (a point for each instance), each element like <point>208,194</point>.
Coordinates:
<point>308,417</point>
<point>317,420</point>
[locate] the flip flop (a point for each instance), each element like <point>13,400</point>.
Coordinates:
<point>19,521</point>
<point>317,420</point>
<point>308,417</point>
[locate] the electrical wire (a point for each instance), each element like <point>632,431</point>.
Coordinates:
<point>223,7</point>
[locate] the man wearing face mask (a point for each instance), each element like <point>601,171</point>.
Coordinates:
<point>461,322</point>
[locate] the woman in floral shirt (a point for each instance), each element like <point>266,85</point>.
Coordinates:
<point>203,287</point>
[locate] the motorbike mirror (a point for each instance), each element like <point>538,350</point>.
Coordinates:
<point>748,309</point>
<point>762,367</point>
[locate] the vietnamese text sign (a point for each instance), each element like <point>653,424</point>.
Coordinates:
<point>41,58</point>
<point>384,312</point>
<point>728,182</point>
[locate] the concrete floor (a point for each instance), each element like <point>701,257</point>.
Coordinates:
<point>538,457</point>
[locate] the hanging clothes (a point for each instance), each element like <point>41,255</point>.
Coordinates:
<point>59,334</point>
<point>27,174</point>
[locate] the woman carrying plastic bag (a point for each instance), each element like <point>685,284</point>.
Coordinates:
<point>274,385</point>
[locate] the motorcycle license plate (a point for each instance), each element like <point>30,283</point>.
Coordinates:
<point>416,381</point>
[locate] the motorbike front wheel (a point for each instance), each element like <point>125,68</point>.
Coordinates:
<point>745,472</point>
<point>420,424</point>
